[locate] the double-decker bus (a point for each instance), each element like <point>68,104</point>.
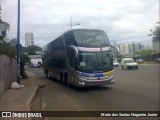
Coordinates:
<point>80,57</point>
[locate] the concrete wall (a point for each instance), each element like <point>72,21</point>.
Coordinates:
<point>8,72</point>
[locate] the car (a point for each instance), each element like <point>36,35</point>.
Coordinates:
<point>128,63</point>
<point>115,64</point>
<point>157,60</point>
<point>139,60</point>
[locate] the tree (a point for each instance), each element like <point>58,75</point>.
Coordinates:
<point>146,54</point>
<point>11,51</point>
<point>32,49</point>
<point>5,27</point>
<point>155,32</point>
<point>24,58</point>
<point>8,50</point>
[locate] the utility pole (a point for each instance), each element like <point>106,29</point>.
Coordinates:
<point>73,24</point>
<point>18,43</point>
<point>0,11</point>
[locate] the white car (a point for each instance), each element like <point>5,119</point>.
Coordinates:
<point>128,63</point>
<point>139,60</point>
<point>115,64</point>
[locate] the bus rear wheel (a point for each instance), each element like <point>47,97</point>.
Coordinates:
<point>61,78</point>
<point>47,74</point>
<point>65,79</point>
<point>66,82</point>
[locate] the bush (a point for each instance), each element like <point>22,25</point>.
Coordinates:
<point>10,51</point>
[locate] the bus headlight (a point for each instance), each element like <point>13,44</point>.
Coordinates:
<point>81,83</point>
<point>109,73</point>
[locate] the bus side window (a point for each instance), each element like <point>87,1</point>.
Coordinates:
<point>70,39</point>
<point>71,58</point>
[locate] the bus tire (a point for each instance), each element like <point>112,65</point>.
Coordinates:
<point>61,78</point>
<point>47,74</point>
<point>65,79</point>
<point>122,67</point>
<point>66,83</point>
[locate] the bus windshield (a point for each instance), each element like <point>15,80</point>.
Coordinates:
<point>95,61</point>
<point>91,38</point>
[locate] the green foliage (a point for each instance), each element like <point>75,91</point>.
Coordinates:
<point>143,53</point>
<point>4,33</point>
<point>8,50</point>
<point>32,49</point>
<point>24,58</point>
<point>146,54</point>
<point>11,51</point>
<point>23,50</point>
<point>156,33</point>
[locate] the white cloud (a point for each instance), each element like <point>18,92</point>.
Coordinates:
<point>121,19</point>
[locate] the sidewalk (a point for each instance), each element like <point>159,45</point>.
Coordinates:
<point>19,99</point>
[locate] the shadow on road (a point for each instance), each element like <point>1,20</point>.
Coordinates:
<point>82,89</point>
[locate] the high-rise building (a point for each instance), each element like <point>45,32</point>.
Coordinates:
<point>130,48</point>
<point>123,48</point>
<point>29,39</point>
<point>135,47</point>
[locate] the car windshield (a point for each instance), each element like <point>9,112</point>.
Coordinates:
<point>129,61</point>
<point>95,61</point>
<point>114,59</point>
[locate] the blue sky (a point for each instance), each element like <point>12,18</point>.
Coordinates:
<point>124,21</point>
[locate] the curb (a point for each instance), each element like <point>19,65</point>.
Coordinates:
<point>31,97</point>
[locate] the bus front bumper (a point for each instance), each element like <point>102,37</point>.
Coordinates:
<point>88,82</point>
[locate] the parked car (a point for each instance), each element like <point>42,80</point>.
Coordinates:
<point>139,60</point>
<point>115,64</point>
<point>128,63</point>
<point>157,60</point>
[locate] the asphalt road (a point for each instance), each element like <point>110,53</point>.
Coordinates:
<point>134,90</point>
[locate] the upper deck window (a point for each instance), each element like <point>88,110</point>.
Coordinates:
<point>91,38</point>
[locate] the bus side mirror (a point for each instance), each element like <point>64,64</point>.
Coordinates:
<point>115,50</point>
<point>75,50</point>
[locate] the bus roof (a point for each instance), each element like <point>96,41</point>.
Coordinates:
<point>72,30</point>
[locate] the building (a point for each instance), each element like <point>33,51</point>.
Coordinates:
<point>7,39</point>
<point>4,27</point>
<point>38,52</point>
<point>156,46</point>
<point>130,49</point>
<point>36,60</point>
<point>13,42</point>
<point>29,39</point>
<point>123,48</point>
<point>135,47</point>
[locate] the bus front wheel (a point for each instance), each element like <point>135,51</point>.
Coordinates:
<point>65,79</point>
<point>66,82</point>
